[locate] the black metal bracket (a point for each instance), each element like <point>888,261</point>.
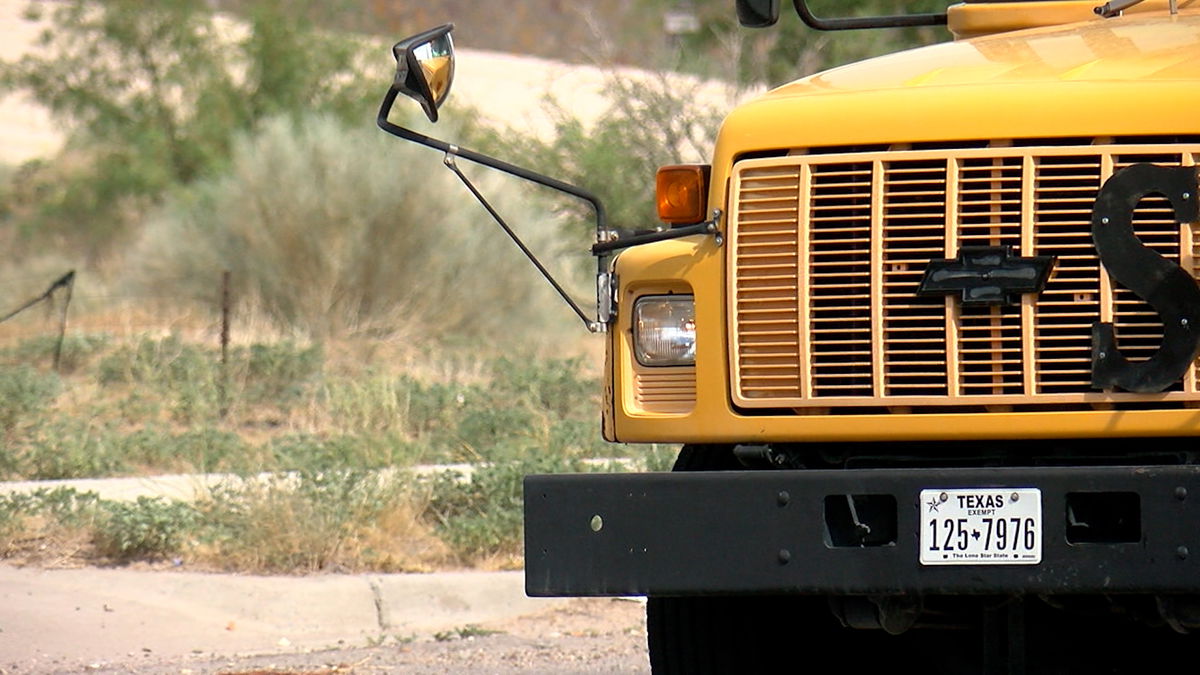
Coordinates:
<point>857,23</point>
<point>1114,7</point>
<point>451,151</point>
<point>448,160</point>
<point>707,227</point>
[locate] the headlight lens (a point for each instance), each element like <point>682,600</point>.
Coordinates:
<point>664,330</point>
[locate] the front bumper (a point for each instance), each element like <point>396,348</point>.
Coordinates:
<point>768,532</point>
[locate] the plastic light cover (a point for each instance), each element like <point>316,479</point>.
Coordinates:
<point>664,330</point>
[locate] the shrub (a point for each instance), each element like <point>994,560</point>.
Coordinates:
<point>76,350</point>
<point>161,106</point>
<point>191,382</point>
<point>67,447</point>
<point>333,229</point>
<point>202,449</point>
<point>309,521</point>
<point>278,372</point>
<point>46,524</point>
<point>480,516</point>
<point>147,528</point>
<point>651,121</point>
<point>24,394</point>
<point>338,452</point>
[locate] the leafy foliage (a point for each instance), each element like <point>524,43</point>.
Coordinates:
<point>149,528</point>
<point>24,393</point>
<point>331,229</point>
<point>153,95</point>
<point>791,49</point>
<point>481,515</point>
<point>652,121</point>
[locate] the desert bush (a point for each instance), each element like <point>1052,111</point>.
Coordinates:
<point>652,120</point>
<point>194,387</point>
<point>334,229</point>
<point>67,447</point>
<point>152,96</point>
<point>337,452</point>
<point>528,406</point>
<point>46,523</point>
<point>196,450</point>
<point>77,350</point>
<point>24,394</point>
<point>480,516</point>
<point>278,372</point>
<point>340,520</point>
<point>148,528</point>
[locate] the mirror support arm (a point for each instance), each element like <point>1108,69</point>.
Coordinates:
<point>857,23</point>
<point>492,163</point>
<point>448,160</point>
<point>453,151</point>
<point>707,227</point>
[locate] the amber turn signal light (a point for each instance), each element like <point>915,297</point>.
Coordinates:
<point>681,192</point>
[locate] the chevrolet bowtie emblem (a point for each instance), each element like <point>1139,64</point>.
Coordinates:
<point>986,275</point>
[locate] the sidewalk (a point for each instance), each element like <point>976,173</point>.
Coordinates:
<point>58,619</point>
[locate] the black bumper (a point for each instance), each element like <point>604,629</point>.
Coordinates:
<point>768,532</point>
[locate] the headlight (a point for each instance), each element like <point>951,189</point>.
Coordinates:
<point>664,330</point>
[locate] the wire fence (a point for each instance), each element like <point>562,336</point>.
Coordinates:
<point>64,308</point>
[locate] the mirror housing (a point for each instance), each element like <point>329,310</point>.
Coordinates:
<point>757,13</point>
<point>425,68</point>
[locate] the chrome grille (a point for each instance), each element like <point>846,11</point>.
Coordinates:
<point>828,251</point>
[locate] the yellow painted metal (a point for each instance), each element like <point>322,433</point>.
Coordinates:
<point>1125,76</point>
<point>695,263</point>
<point>914,206</point>
<point>973,19</point>
<point>1128,76</point>
<point>984,18</point>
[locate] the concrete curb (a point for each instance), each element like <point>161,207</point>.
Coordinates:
<point>89,616</point>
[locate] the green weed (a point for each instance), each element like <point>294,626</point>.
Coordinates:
<point>342,451</point>
<point>76,351</point>
<point>24,395</point>
<point>149,528</point>
<point>481,516</point>
<point>313,521</point>
<point>466,632</point>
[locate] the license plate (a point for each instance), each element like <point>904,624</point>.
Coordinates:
<point>981,526</point>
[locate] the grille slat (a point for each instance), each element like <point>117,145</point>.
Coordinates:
<point>828,251</point>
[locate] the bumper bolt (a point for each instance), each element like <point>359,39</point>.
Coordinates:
<point>785,556</point>
<point>1181,552</point>
<point>783,498</point>
<point>1181,493</point>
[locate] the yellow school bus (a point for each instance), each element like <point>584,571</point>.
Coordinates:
<point>927,329</point>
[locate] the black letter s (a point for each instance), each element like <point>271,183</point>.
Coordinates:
<point>1161,283</point>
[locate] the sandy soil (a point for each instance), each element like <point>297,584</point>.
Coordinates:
<point>592,635</point>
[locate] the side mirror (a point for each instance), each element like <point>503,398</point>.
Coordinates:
<point>424,71</point>
<point>757,13</point>
<point>425,68</point>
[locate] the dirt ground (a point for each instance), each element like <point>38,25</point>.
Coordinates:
<point>588,635</point>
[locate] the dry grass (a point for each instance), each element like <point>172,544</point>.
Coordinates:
<point>276,528</point>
